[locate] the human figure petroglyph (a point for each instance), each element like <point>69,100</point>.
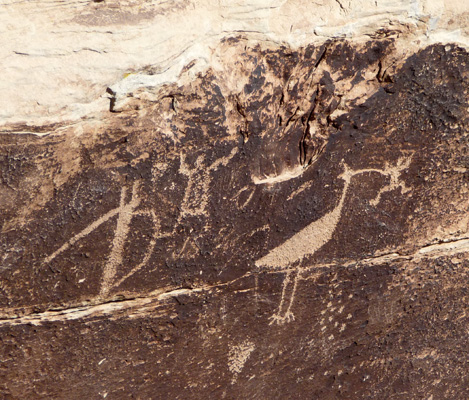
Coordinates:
<point>194,203</point>
<point>199,179</point>
<point>126,211</point>
<point>314,236</point>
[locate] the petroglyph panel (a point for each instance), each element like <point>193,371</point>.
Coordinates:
<point>288,221</point>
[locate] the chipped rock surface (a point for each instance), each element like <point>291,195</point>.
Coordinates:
<point>234,200</point>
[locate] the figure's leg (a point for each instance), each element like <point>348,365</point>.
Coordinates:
<point>280,317</point>
<point>288,314</point>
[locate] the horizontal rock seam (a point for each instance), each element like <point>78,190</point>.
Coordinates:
<point>141,305</point>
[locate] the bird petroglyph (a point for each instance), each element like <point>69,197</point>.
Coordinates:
<point>314,236</point>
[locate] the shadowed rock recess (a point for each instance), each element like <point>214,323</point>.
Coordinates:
<point>288,224</point>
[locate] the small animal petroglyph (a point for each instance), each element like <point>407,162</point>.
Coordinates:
<point>126,211</point>
<point>311,238</point>
<point>238,356</point>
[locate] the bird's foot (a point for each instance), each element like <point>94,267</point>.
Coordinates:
<point>282,319</point>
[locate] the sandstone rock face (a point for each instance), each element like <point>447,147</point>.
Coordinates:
<point>263,200</point>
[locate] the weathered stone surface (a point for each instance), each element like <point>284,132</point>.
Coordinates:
<point>57,58</point>
<point>289,222</point>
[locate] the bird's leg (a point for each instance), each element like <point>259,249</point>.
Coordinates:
<point>288,314</point>
<point>281,317</point>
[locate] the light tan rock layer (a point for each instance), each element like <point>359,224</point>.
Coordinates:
<point>58,58</point>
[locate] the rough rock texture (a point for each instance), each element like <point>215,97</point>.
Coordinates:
<point>58,57</point>
<point>287,222</point>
